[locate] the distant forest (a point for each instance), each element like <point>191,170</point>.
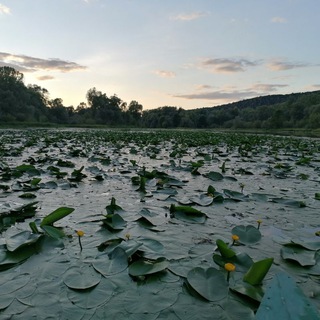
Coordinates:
<point>31,105</point>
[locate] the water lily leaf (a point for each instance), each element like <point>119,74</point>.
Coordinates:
<point>299,254</point>
<point>16,239</point>
<point>235,195</point>
<point>210,283</point>
<point>190,308</point>
<point>187,214</point>
<point>14,284</point>
<point>111,263</point>
<point>291,203</point>
<point>9,259</point>
<point>224,249</point>
<point>5,301</point>
<point>202,200</point>
<point>285,300</point>
<point>113,207</point>
<point>254,292</point>
<point>242,261</point>
<point>114,222</point>
<point>145,267</point>
<point>247,234</point>
<point>317,195</point>
<point>53,231</point>
<point>146,300</point>
<point>94,297</point>
<point>56,215</point>
<point>258,271</point>
<point>81,277</point>
<point>150,245</point>
<point>214,176</point>
<point>307,244</point>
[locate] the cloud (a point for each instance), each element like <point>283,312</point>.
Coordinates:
<point>278,65</point>
<point>46,77</point>
<point>278,20</point>
<point>4,9</point>
<point>225,65</point>
<point>267,88</point>
<point>31,64</point>
<point>231,94</point>
<point>314,87</point>
<point>218,95</point>
<point>189,16</point>
<point>165,74</point>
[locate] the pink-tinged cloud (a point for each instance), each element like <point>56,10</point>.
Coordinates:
<point>32,64</point>
<point>44,78</point>
<point>189,16</point>
<point>165,74</point>
<point>226,65</point>
<point>278,65</point>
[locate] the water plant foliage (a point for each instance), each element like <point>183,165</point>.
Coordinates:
<point>132,224</point>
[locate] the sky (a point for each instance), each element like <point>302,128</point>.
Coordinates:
<point>183,53</point>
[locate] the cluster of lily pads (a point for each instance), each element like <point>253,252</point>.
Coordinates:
<point>136,225</point>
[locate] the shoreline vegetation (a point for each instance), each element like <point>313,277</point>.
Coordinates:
<point>295,114</point>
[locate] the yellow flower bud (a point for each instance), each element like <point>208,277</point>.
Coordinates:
<point>235,237</point>
<point>80,233</point>
<point>230,267</point>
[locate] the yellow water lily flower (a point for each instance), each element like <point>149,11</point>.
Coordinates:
<point>230,267</point>
<point>80,233</point>
<point>259,222</point>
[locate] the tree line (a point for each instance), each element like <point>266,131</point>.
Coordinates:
<point>31,104</point>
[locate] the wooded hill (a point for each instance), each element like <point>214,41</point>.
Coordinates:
<point>31,104</point>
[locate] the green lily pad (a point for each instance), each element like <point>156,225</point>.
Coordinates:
<point>81,277</point>
<point>235,195</point>
<point>285,300</point>
<point>214,176</point>
<point>210,283</point>
<point>145,267</point>
<point>297,253</point>
<point>187,214</point>
<point>254,292</point>
<point>202,200</point>
<point>53,231</point>
<point>16,239</point>
<point>247,234</point>
<point>114,222</point>
<point>111,263</point>
<point>289,202</point>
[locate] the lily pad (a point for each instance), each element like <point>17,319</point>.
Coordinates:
<point>81,277</point>
<point>296,253</point>
<point>111,263</point>
<point>285,300</point>
<point>210,283</point>
<point>16,239</point>
<point>145,267</point>
<point>247,234</point>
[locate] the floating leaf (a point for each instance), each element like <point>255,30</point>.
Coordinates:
<point>285,300</point>
<point>254,292</point>
<point>210,283</point>
<point>187,214</point>
<point>145,267</point>
<point>81,277</point>
<point>242,261</point>
<point>247,234</point>
<point>56,215</point>
<point>258,271</point>
<point>299,254</point>
<point>114,222</point>
<point>111,263</point>
<point>291,203</point>
<point>16,239</point>
<point>202,200</point>
<point>214,176</point>
<point>235,195</point>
